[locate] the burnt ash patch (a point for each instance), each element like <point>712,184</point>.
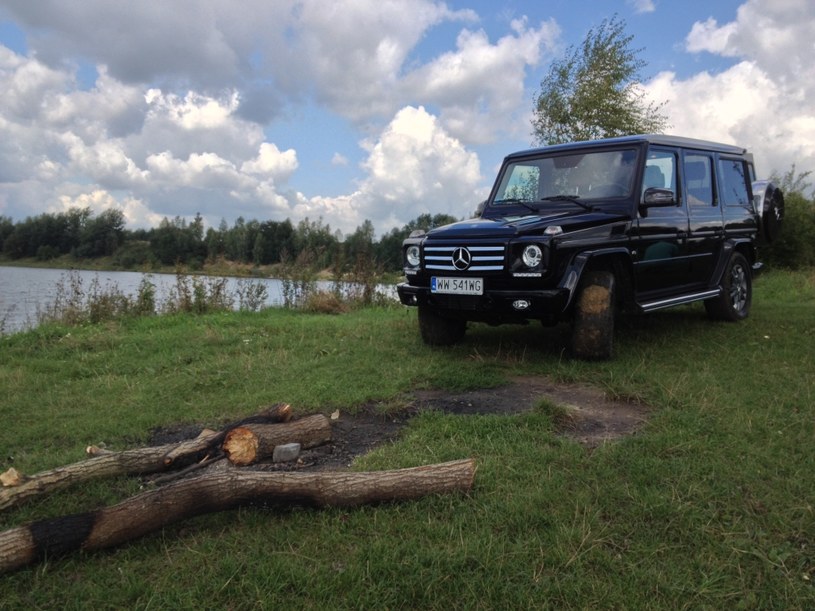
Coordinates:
<point>590,419</point>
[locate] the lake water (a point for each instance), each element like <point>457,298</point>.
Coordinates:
<point>26,291</point>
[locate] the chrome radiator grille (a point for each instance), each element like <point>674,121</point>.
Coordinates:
<point>464,258</point>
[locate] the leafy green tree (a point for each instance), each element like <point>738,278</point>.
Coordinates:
<point>6,229</point>
<point>360,243</point>
<point>794,181</point>
<point>175,241</point>
<point>75,220</point>
<point>101,236</point>
<point>272,240</point>
<point>259,255</point>
<point>236,242</point>
<point>44,230</point>
<point>252,232</point>
<point>316,241</point>
<point>594,91</point>
<point>216,240</point>
<point>163,240</point>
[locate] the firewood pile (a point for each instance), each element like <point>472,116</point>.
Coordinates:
<point>204,475</point>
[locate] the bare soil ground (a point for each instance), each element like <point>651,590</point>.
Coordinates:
<point>588,418</point>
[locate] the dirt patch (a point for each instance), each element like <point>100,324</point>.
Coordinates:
<point>588,418</point>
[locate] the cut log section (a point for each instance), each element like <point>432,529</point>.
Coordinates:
<point>152,510</point>
<point>245,445</point>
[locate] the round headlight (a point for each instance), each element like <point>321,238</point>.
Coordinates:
<point>412,256</point>
<point>532,255</point>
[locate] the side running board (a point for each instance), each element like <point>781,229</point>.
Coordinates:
<point>660,304</point>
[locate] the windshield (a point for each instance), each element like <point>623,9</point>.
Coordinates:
<point>568,178</point>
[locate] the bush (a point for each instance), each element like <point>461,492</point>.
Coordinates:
<point>251,295</point>
<point>47,252</point>
<point>796,247</point>
<point>134,254</point>
<point>198,295</point>
<point>299,278</point>
<point>146,298</point>
<point>324,302</point>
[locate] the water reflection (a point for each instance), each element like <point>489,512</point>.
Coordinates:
<point>26,292</point>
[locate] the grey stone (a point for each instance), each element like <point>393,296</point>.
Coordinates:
<point>286,452</point>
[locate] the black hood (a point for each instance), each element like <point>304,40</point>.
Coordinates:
<point>509,226</point>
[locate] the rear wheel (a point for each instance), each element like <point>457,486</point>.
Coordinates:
<point>593,324</point>
<point>437,330</point>
<point>733,304</point>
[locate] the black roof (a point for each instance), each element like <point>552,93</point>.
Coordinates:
<point>660,139</point>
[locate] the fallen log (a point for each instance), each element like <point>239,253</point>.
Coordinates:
<point>153,510</point>
<point>108,464</point>
<point>137,461</point>
<point>245,445</point>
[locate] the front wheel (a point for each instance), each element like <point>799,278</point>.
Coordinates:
<point>733,303</point>
<point>593,324</point>
<point>437,330</point>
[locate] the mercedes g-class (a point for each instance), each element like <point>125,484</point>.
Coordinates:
<point>576,232</point>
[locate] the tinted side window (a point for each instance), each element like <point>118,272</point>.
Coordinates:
<point>660,171</point>
<point>699,179</point>
<point>734,185</point>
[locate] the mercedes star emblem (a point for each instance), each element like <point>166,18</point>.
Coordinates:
<point>461,259</point>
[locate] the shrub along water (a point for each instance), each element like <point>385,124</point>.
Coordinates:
<point>75,304</point>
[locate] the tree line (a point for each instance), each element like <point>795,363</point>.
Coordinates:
<point>81,234</point>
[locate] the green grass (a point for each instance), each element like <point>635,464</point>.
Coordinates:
<point>711,505</point>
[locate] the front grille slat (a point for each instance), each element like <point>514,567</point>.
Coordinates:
<point>485,258</point>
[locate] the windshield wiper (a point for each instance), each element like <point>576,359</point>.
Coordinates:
<point>574,199</point>
<point>515,200</point>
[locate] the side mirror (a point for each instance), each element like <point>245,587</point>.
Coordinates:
<point>655,197</point>
<point>479,209</point>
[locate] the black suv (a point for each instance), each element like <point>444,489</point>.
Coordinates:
<point>577,231</point>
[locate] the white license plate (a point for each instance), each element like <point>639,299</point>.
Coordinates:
<point>457,286</point>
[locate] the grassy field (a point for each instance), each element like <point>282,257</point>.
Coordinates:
<point>711,505</point>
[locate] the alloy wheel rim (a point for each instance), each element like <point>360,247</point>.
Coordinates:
<point>738,288</point>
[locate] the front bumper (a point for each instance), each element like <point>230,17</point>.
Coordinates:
<point>493,305</point>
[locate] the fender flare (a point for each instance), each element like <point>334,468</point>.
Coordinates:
<point>728,248</point>
<point>570,279</point>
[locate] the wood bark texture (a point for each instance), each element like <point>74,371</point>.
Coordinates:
<point>153,510</point>
<point>129,462</point>
<point>248,444</point>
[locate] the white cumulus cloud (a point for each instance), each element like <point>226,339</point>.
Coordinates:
<point>763,101</point>
<point>414,167</point>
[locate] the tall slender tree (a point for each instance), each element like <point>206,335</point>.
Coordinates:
<point>594,91</point>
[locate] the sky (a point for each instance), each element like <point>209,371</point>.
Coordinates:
<point>351,110</point>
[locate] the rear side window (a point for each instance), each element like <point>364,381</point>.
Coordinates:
<point>734,185</point>
<point>699,180</point>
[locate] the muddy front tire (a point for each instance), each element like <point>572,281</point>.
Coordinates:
<point>593,324</point>
<point>437,330</point>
